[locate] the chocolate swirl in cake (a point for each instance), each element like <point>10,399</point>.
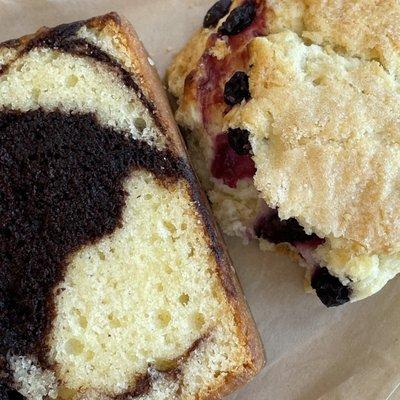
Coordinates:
<point>63,38</point>
<point>61,187</point>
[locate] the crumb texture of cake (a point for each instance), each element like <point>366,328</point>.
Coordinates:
<point>322,116</point>
<point>49,79</point>
<point>143,319</point>
<point>114,282</point>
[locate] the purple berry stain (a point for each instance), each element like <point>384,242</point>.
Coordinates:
<point>228,165</point>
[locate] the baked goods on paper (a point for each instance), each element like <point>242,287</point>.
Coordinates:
<point>294,107</point>
<point>114,281</point>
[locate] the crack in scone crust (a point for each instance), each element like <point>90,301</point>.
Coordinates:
<point>323,117</point>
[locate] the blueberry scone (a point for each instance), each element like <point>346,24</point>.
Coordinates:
<point>291,111</point>
<point>114,283</point>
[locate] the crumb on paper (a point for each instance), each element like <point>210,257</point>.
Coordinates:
<point>151,62</point>
<point>169,49</point>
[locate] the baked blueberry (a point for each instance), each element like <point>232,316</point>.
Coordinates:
<point>216,12</point>
<point>239,19</point>
<point>275,230</point>
<point>237,88</point>
<point>14,395</point>
<point>9,394</point>
<point>238,139</point>
<point>329,288</point>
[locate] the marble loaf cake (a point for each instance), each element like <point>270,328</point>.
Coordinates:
<point>114,283</point>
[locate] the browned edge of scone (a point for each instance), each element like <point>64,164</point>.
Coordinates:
<point>154,97</point>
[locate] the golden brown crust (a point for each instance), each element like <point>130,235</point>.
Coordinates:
<point>155,92</point>
<point>145,74</point>
<point>235,296</point>
<point>185,61</point>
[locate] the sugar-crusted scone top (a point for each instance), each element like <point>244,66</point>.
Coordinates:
<point>324,126</point>
<point>366,29</point>
<point>325,141</point>
<point>325,133</point>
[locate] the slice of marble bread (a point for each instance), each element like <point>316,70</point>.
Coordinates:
<point>114,283</point>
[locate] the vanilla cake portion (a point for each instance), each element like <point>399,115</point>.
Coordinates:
<point>114,283</point>
<point>293,104</point>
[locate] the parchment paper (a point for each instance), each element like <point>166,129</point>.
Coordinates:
<point>350,353</point>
